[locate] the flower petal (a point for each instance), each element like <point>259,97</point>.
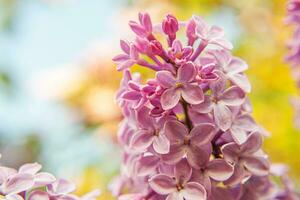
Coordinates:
<point>233,96</point>
<point>202,134</point>
<point>204,107</point>
<point>187,72</point>
<point>222,116</point>
<point>144,119</point>
<point>253,143</point>
<point>126,64</point>
<point>30,168</point>
<point>259,166</point>
<point>161,144</point>
<point>219,170</point>
<point>239,135</point>
<point>236,65</point>
<point>174,196</point>
<point>194,191</point>
<point>217,87</point>
<point>136,196</point>
<point>245,122</point>
<point>38,195</point>
<point>43,179</point>
<point>61,187</point>
<point>202,27</point>
<point>170,98</point>
<point>231,151</point>
<point>175,131</point>
<point>131,95</point>
<point>125,46</point>
<point>18,183</point>
<point>192,94</point>
<point>5,172</point>
<point>162,184</point>
<point>223,58</point>
<point>91,195</point>
<point>240,80</point>
<point>222,43</point>
<point>175,155</point>
<point>240,175</point>
<point>183,171</point>
<point>121,58</point>
<point>147,165</point>
<point>198,157</point>
<point>14,197</point>
<point>141,140</point>
<point>165,79</point>
<point>215,32</point>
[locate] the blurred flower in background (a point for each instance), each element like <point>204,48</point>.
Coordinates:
<point>58,83</point>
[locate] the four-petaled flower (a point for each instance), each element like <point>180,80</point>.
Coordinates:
<point>178,186</point>
<point>183,85</point>
<point>178,54</point>
<point>187,143</point>
<point>149,134</point>
<point>247,159</point>
<point>233,68</point>
<point>208,35</point>
<point>131,56</point>
<point>220,101</point>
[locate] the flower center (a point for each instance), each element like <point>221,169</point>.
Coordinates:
<point>178,55</point>
<point>156,132</point>
<point>187,141</point>
<point>179,187</point>
<point>214,99</point>
<point>179,85</point>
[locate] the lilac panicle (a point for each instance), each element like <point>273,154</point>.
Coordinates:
<point>28,183</point>
<point>293,18</point>
<point>293,57</point>
<point>188,133</point>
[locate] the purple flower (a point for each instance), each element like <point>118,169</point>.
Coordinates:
<point>144,29</point>
<point>233,69</point>
<point>246,158</point>
<point>219,103</point>
<point>28,183</point>
<point>293,9</point>
<point>170,25</point>
<point>150,133</point>
<point>188,134</point>
<point>186,143</point>
<point>178,186</point>
<point>183,85</point>
<point>128,59</point>
<point>178,54</point>
<point>217,170</point>
<point>241,126</point>
<point>209,35</point>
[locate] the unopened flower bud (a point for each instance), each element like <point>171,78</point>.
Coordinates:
<point>170,25</point>
<point>156,47</point>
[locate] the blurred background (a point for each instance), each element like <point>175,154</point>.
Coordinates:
<point>58,83</point>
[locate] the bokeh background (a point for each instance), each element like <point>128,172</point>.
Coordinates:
<point>57,81</point>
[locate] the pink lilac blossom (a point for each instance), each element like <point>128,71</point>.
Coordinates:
<point>188,133</point>
<point>293,57</point>
<point>28,183</point>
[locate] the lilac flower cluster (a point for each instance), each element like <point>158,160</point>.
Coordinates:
<point>293,18</point>
<point>293,57</point>
<point>188,133</point>
<point>27,183</point>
